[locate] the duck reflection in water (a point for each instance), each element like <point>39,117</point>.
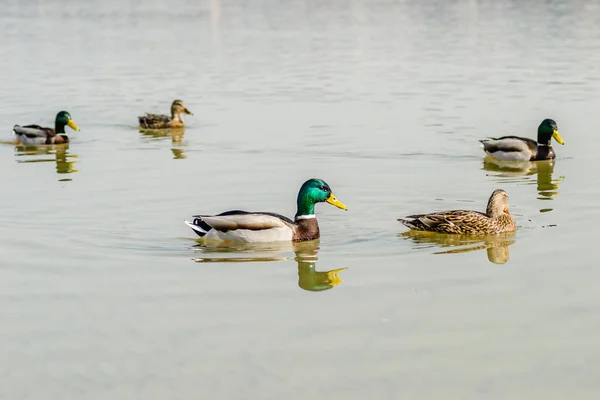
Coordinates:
<point>520,172</point>
<point>59,154</point>
<point>308,277</point>
<point>305,255</point>
<point>496,246</point>
<point>176,135</point>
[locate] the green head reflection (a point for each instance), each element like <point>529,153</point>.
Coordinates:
<point>308,277</point>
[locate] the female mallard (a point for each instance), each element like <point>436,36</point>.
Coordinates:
<point>243,226</point>
<point>159,121</point>
<point>496,219</point>
<point>515,148</point>
<point>33,135</point>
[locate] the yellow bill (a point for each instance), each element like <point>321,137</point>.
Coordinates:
<point>335,202</point>
<point>557,137</point>
<point>333,278</point>
<point>73,125</point>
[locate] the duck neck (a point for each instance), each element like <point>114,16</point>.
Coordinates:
<point>176,116</point>
<point>543,139</point>
<point>492,209</point>
<point>306,208</point>
<point>59,127</point>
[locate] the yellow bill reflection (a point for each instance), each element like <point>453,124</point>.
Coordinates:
<point>539,173</point>
<point>59,154</point>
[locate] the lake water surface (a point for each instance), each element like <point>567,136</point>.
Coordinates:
<point>106,294</point>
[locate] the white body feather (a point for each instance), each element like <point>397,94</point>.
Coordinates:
<point>37,140</point>
<point>508,149</point>
<point>511,155</point>
<point>249,236</point>
<point>239,221</point>
<point>247,228</point>
<point>27,141</point>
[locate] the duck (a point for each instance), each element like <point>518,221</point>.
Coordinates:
<point>253,227</point>
<point>160,121</point>
<point>495,220</point>
<point>35,135</point>
<point>515,148</point>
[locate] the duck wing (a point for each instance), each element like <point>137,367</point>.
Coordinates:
<point>509,143</point>
<point>34,131</point>
<point>238,219</point>
<point>512,148</point>
<point>243,226</point>
<point>455,221</point>
<point>153,120</point>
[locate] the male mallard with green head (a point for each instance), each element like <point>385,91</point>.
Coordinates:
<point>159,121</point>
<point>496,219</point>
<point>515,148</point>
<point>244,226</point>
<point>34,135</point>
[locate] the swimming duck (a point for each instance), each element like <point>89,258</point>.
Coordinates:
<point>159,121</point>
<point>515,148</point>
<point>34,135</point>
<point>244,226</point>
<point>496,219</point>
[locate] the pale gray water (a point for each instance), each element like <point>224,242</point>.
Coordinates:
<point>101,297</point>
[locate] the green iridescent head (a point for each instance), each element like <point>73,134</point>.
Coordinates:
<point>63,119</point>
<point>548,130</point>
<point>315,191</point>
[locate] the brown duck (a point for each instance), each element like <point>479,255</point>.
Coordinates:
<point>495,220</point>
<point>159,121</point>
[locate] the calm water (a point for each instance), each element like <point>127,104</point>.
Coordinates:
<point>105,294</point>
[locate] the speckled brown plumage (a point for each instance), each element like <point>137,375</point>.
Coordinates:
<point>495,220</point>
<point>160,121</point>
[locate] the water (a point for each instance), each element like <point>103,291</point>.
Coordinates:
<point>106,294</point>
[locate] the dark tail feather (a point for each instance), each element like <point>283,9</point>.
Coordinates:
<point>408,223</point>
<point>200,227</point>
<point>416,223</point>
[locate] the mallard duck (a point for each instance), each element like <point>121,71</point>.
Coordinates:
<point>33,135</point>
<point>159,121</point>
<point>244,226</point>
<point>496,219</point>
<point>515,148</point>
